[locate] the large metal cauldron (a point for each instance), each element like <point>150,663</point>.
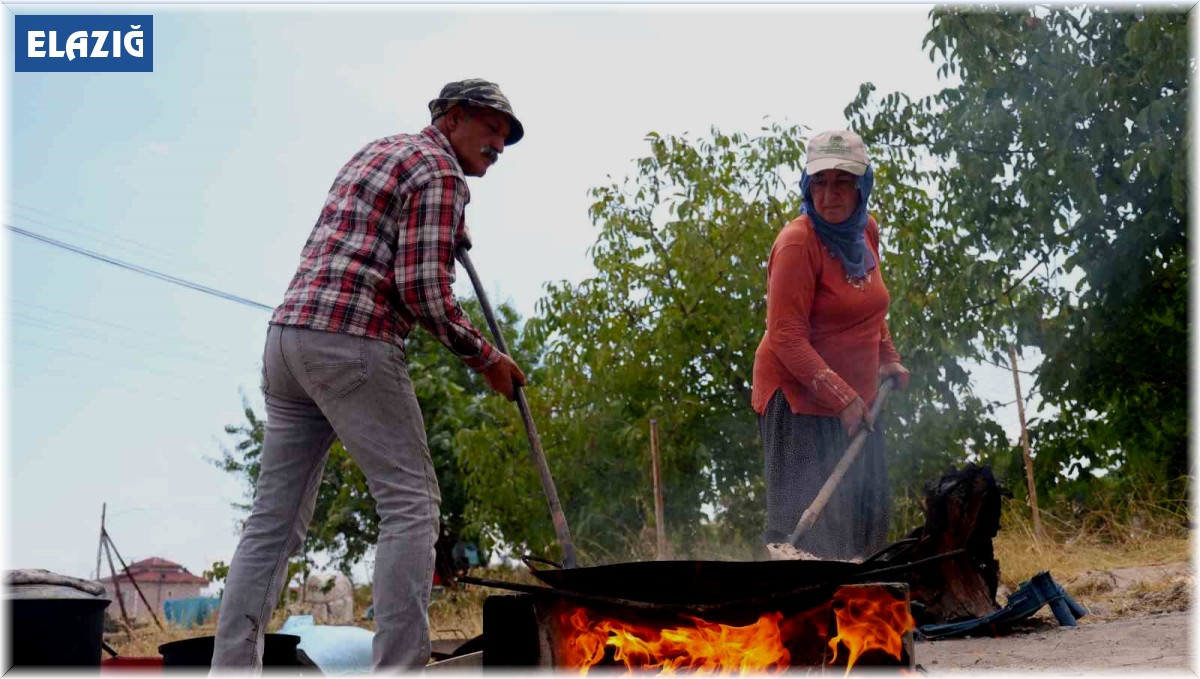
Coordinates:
<point>711,582</point>
<point>54,620</point>
<point>696,582</point>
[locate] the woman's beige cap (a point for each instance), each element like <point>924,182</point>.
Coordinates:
<point>836,150</point>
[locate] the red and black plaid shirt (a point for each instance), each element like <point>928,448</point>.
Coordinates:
<point>381,257</point>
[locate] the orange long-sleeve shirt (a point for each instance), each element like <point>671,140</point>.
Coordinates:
<point>825,338</point>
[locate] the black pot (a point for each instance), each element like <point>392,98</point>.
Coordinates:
<point>279,650</point>
<point>696,582</point>
<point>55,620</point>
<point>707,582</point>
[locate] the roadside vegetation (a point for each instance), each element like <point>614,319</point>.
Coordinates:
<point>1036,205</point>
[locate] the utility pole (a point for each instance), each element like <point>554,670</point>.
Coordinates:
<point>660,523</point>
<point>1033,503</point>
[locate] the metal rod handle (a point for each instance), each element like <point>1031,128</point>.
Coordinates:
<point>535,443</point>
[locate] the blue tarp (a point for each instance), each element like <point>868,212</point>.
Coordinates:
<point>191,612</point>
<point>468,551</point>
<point>1029,598</point>
<point>336,649</point>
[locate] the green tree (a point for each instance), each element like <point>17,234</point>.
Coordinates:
<point>1058,157</point>
<point>217,573</point>
<point>1038,199</point>
<point>667,329</point>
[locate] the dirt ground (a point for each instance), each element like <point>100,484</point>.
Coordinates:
<point>1139,622</point>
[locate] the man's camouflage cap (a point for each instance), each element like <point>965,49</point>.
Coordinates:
<point>477,92</point>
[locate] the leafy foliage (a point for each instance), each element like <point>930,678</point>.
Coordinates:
<point>666,330</point>
<point>1059,162</point>
<point>1038,200</point>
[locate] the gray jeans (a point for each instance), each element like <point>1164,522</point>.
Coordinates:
<point>318,386</point>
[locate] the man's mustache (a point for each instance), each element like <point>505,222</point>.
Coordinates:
<point>490,153</point>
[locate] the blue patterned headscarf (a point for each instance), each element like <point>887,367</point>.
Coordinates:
<point>847,240</point>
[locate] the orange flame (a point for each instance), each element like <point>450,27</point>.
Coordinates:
<point>706,647</point>
<point>870,619</point>
<point>867,618</point>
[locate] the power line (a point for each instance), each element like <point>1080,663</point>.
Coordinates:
<point>79,320</point>
<point>93,361</point>
<point>104,237</point>
<point>141,269</point>
<point>76,227</point>
<point>123,343</point>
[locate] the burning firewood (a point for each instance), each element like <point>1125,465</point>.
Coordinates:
<point>856,625</point>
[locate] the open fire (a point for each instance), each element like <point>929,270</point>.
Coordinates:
<point>870,619</point>
<point>700,646</point>
<point>866,620</point>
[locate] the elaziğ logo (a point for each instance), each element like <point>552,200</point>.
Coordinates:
<point>85,43</point>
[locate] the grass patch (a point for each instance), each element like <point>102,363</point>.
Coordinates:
<point>147,638</point>
<point>1022,559</point>
<point>1093,541</point>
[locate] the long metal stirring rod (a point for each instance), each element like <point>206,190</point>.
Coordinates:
<point>535,443</point>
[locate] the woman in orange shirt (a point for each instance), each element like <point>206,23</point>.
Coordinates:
<point>822,357</point>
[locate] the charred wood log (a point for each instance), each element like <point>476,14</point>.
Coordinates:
<point>962,510</point>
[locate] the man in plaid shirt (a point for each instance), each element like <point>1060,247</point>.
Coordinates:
<point>379,261</point>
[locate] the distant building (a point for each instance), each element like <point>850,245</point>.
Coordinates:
<point>159,580</point>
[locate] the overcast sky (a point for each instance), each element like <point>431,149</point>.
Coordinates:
<point>213,168</point>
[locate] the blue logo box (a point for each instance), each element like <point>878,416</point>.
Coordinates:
<point>84,43</point>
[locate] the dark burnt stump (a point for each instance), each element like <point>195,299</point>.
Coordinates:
<point>962,511</point>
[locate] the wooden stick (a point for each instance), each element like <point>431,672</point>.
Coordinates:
<point>1033,503</point>
<point>117,587</point>
<point>108,538</point>
<point>835,479</point>
<point>660,523</point>
<point>535,443</point>
<point>100,543</point>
